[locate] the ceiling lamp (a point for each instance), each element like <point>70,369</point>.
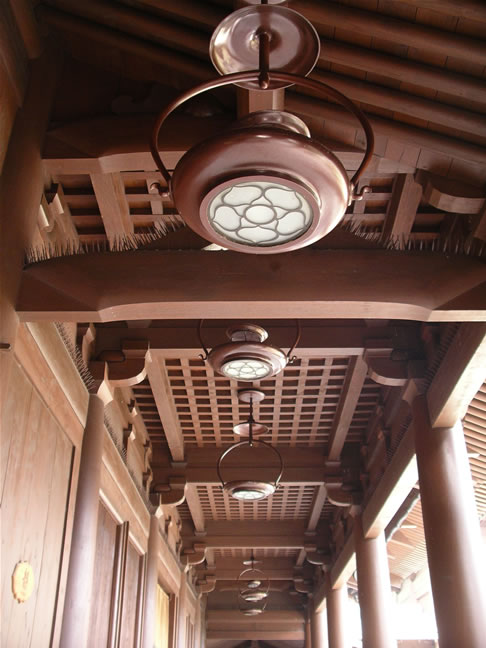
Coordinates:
<point>250,490</point>
<point>263,186</point>
<point>247,357</point>
<point>253,588</point>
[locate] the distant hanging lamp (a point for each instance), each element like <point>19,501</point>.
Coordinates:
<point>250,490</point>
<point>247,357</point>
<point>253,588</point>
<point>263,186</point>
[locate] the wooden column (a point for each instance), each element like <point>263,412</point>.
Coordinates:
<point>336,617</point>
<point>151,581</point>
<point>319,630</point>
<point>308,643</point>
<point>452,533</point>
<point>76,617</point>
<point>21,186</point>
<point>374,589</point>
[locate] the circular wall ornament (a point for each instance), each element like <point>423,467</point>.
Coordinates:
<point>22,581</point>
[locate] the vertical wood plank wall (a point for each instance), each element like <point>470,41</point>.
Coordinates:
<point>103,579</point>
<point>130,597</point>
<point>36,472</point>
<point>41,438</point>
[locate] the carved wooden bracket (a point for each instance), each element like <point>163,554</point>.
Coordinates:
<point>304,586</point>
<point>194,556</point>
<point>128,435</point>
<point>391,369</point>
<point>206,585</point>
<point>317,556</point>
<point>172,493</point>
<point>126,367</point>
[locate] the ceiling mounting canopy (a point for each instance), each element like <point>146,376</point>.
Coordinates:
<point>263,186</point>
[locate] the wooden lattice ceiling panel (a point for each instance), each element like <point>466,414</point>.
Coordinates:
<point>299,407</point>
<point>259,554</point>
<point>288,503</point>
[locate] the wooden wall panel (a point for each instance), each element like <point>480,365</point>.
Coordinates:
<point>36,472</point>
<point>103,579</point>
<point>130,597</point>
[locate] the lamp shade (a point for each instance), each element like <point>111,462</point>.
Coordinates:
<point>262,187</point>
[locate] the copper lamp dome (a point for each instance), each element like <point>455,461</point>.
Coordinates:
<point>263,186</point>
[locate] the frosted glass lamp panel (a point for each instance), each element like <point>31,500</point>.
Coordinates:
<point>250,369</point>
<point>260,213</point>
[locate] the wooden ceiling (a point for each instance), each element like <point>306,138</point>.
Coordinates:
<point>418,70</point>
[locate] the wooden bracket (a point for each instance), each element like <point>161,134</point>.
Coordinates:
<point>194,556</point>
<point>173,493</point>
<point>206,585</point>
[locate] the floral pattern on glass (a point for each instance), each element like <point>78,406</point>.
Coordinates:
<point>260,213</point>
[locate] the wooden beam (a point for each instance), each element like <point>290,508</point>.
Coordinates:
<point>410,135</point>
<point>165,407</point>
<point>402,208</point>
<point>195,508</point>
<point>165,57</point>
<point>249,101</point>
<point>450,195</point>
<point>404,70</point>
<point>459,376</point>
<point>400,101</point>
<point>310,284</point>
<point>247,535</point>
<point>318,502</point>
<point>354,381</point>
<point>396,483</point>
<point>470,9</point>
<point>358,21</point>
<point>182,340</point>
<point>121,143</point>
<point>110,196</point>
<point>146,26</point>
<point>23,11</point>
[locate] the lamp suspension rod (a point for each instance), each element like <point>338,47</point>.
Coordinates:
<point>264,60</point>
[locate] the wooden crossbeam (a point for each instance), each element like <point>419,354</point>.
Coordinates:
<point>402,208</point>
<point>110,196</point>
<point>459,376</point>
<point>165,407</point>
<point>310,284</point>
<point>353,384</point>
<point>195,508</point>
<point>324,341</point>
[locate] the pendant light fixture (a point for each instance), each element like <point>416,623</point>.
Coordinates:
<point>253,588</point>
<point>247,357</point>
<point>263,186</point>
<point>250,490</point>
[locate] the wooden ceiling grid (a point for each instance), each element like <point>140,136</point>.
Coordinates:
<point>287,503</point>
<point>299,407</point>
<point>259,554</point>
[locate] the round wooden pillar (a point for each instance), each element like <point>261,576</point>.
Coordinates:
<point>454,550</point>
<point>319,630</point>
<point>77,602</point>
<point>337,600</point>
<point>151,581</point>
<point>374,589</point>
